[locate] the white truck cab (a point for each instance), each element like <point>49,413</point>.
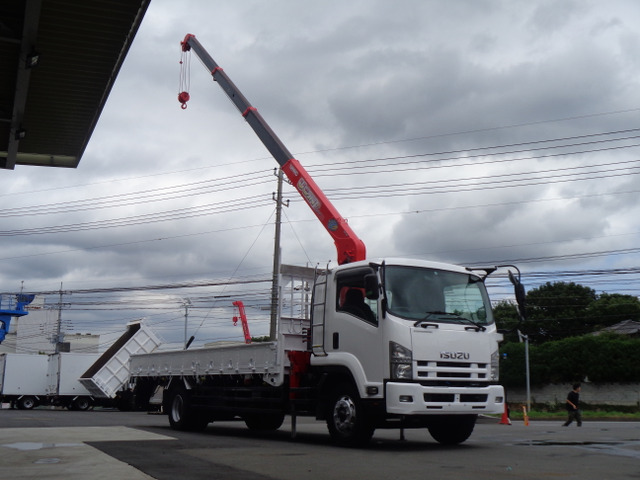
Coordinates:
<point>418,338</point>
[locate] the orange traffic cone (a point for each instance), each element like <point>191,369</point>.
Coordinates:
<point>525,416</point>
<point>505,416</point>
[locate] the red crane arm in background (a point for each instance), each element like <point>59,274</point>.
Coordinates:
<point>243,319</point>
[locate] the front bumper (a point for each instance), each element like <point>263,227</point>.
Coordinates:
<point>416,399</point>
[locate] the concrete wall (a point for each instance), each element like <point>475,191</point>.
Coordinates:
<point>627,394</point>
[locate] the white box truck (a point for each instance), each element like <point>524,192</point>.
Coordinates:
<point>23,379</point>
<point>63,380</point>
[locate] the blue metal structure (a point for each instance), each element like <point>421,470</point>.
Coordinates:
<point>13,310</point>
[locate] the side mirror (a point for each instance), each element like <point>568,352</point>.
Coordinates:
<point>371,286</point>
<point>518,289</point>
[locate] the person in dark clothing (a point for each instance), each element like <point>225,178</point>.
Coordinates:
<point>573,406</point>
<point>354,303</point>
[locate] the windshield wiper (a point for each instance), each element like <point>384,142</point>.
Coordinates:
<point>453,316</point>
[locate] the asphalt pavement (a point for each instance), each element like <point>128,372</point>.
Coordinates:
<point>59,444</point>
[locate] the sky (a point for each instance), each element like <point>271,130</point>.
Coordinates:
<point>472,132</point>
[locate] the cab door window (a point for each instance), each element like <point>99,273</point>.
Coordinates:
<point>350,296</point>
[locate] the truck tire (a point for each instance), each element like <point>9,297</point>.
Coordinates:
<point>264,422</point>
<point>26,403</point>
<point>181,415</point>
<point>452,429</point>
<point>346,420</point>
<point>81,403</point>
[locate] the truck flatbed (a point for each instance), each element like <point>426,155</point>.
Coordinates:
<point>268,359</point>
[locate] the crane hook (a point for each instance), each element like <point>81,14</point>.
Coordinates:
<point>183,98</point>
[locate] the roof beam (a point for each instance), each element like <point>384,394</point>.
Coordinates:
<point>27,45</point>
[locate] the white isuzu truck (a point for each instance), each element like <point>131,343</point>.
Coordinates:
<point>365,344</point>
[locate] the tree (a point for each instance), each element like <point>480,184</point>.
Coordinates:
<point>601,358</point>
<point>611,308</point>
<point>557,310</point>
<point>505,314</point>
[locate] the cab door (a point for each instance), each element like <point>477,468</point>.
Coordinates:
<point>354,327</point>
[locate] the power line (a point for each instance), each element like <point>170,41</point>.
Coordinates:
<point>167,286</point>
<point>388,190</point>
<point>487,152</point>
<point>252,179</point>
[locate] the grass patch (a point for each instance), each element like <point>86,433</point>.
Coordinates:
<point>589,412</point>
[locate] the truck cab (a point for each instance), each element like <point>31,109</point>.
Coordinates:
<point>416,339</point>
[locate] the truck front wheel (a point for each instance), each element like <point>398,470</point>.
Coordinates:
<point>181,415</point>
<point>346,420</point>
<point>452,429</point>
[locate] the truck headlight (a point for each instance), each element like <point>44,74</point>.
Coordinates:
<point>495,366</point>
<point>400,362</point>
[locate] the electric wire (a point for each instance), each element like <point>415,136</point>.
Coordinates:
<point>375,167</point>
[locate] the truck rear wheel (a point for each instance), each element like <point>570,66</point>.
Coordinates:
<point>181,415</point>
<point>452,429</point>
<point>26,403</point>
<point>80,403</point>
<point>346,419</point>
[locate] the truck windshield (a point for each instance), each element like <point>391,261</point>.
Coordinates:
<point>436,296</point>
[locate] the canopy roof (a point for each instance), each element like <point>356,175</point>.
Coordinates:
<point>59,60</point>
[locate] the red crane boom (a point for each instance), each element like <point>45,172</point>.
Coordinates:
<point>349,246</point>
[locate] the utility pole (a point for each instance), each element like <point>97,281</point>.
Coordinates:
<point>275,281</point>
<point>186,304</point>
<point>57,339</point>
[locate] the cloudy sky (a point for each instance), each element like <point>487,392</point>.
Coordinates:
<point>471,132</point>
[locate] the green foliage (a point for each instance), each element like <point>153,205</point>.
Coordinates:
<point>589,412</point>
<point>512,365</point>
<point>611,308</point>
<point>561,310</point>
<point>263,339</point>
<point>602,358</point>
<point>557,310</point>
<point>506,317</point>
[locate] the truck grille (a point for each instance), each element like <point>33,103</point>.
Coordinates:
<point>434,372</point>
<point>451,398</point>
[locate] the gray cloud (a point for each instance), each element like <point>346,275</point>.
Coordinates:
<point>358,81</point>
